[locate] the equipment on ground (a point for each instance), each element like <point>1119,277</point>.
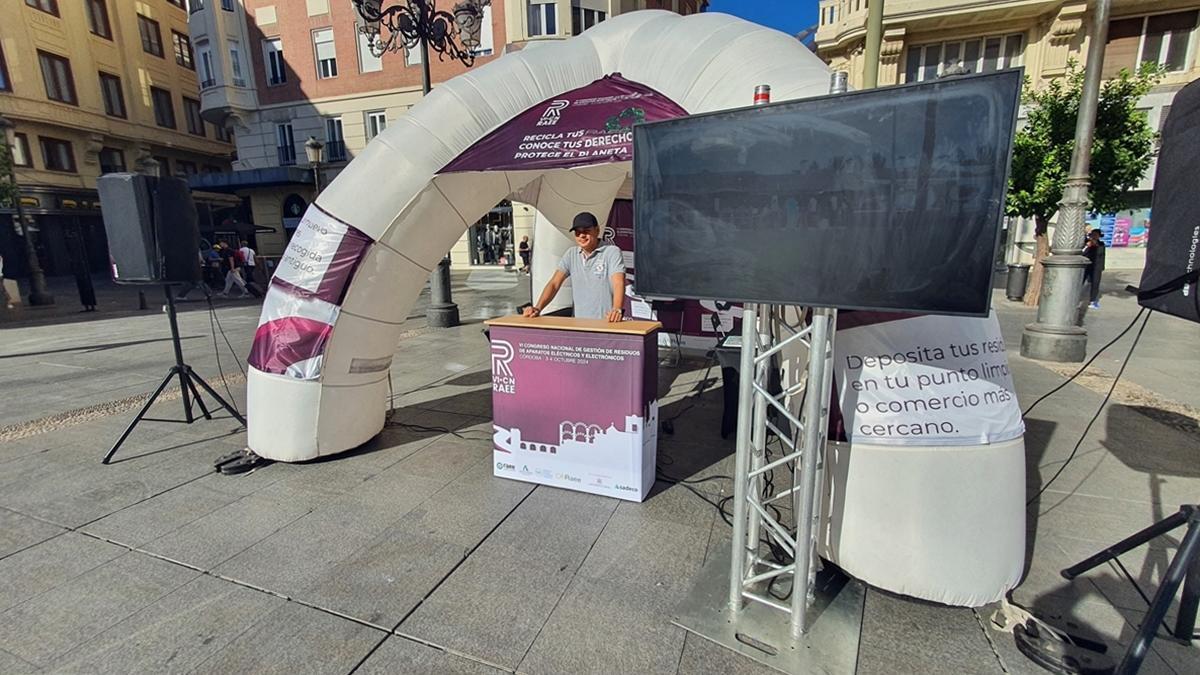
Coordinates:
<point>188,379</point>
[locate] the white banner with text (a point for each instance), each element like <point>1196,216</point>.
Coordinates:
<point>926,380</point>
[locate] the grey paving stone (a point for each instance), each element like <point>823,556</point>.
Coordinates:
<point>14,665</point>
<point>294,639</point>
<point>1042,575</point>
<point>648,553</point>
<point>381,582</point>
<point>176,634</point>
<point>401,655</point>
<point>153,518</point>
<point>208,541</point>
<point>18,532</point>
<point>446,458</point>
<point>493,606</point>
<point>702,656</point>
<point>557,527</point>
<point>465,510</point>
<point>299,554</point>
<point>475,401</point>
<point>1100,520</point>
<point>676,504</point>
<point>73,493</point>
<point>610,628</point>
<point>901,635</point>
<point>50,564</point>
<point>50,624</point>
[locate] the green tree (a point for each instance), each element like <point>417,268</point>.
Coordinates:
<point>8,191</point>
<point>1122,149</point>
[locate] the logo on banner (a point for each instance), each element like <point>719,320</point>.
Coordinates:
<point>502,376</point>
<point>553,113</point>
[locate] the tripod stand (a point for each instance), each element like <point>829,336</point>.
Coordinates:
<point>188,379</point>
<point>1184,568</point>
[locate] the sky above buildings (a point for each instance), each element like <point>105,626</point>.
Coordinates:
<point>789,16</point>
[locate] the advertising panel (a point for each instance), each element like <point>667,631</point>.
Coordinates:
<point>575,410</point>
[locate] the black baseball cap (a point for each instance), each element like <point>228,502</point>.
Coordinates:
<point>584,220</point>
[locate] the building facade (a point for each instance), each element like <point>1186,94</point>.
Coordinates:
<point>278,72</point>
<point>921,38</point>
<point>96,86</point>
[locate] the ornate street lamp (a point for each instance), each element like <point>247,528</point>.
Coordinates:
<point>419,24</point>
<point>312,149</point>
<point>38,295</point>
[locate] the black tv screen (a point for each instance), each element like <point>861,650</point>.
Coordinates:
<point>887,199</point>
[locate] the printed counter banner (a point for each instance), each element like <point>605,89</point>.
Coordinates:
<point>925,380</point>
<point>575,410</point>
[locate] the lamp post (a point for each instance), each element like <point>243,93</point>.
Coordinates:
<point>419,24</point>
<point>313,148</point>
<point>1055,336</point>
<point>38,295</point>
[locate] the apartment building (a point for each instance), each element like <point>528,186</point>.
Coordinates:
<point>96,86</point>
<point>277,72</point>
<point>921,38</point>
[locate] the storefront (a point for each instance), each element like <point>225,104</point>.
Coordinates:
<point>67,230</point>
<point>491,237</point>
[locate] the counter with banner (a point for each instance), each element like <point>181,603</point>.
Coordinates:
<point>575,403</point>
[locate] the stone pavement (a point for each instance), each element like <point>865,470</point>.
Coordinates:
<point>406,555</point>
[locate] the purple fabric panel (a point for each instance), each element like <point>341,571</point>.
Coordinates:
<point>283,342</point>
<point>341,269</point>
<point>589,125</point>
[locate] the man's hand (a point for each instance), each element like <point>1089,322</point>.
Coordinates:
<point>614,315</point>
<point>531,311</point>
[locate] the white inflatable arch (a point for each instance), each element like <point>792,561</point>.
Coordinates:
<point>330,352</point>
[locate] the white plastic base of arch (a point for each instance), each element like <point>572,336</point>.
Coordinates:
<point>297,434</point>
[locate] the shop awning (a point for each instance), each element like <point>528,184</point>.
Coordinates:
<point>233,181</point>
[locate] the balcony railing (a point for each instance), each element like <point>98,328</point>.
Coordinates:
<point>287,155</point>
<point>209,83</point>
<point>335,151</point>
<point>239,81</point>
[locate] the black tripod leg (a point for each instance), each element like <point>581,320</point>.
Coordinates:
<point>196,394</point>
<point>1185,623</point>
<point>223,402</point>
<point>1187,553</point>
<point>1128,544</point>
<point>141,413</point>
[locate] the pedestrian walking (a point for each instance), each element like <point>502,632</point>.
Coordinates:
<point>1093,250</point>
<point>229,264</point>
<point>249,265</point>
<point>526,252</point>
<point>79,268</point>
<point>8,302</point>
<point>198,284</point>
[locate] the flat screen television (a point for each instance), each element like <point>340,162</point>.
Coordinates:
<point>886,199</point>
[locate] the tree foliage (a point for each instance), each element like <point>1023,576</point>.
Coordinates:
<point>8,191</point>
<point>1122,148</point>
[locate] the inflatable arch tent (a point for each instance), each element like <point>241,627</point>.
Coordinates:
<point>319,366</point>
<point>331,320</point>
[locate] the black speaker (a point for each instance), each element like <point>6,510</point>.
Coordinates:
<point>1173,255</point>
<point>152,229</point>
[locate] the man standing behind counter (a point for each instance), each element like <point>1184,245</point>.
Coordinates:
<point>597,274</point>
